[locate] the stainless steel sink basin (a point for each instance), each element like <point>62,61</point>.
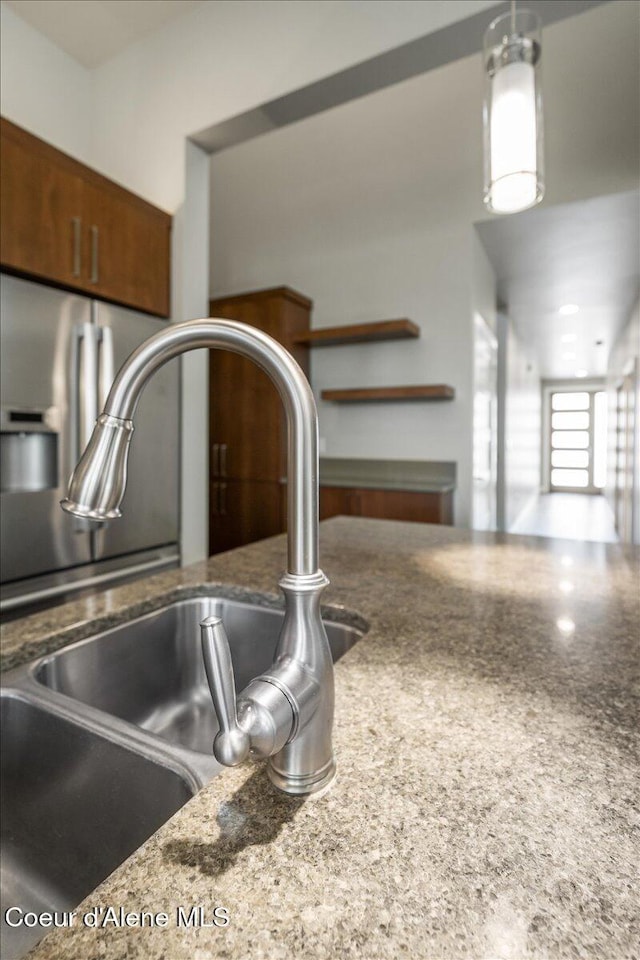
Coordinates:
<point>104,740</point>
<point>149,672</point>
<point>75,804</point>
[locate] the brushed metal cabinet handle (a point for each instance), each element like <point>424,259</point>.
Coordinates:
<point>215,459</point>
<point>95,241</point>
<point>223,459</point>
<point>76,224</point>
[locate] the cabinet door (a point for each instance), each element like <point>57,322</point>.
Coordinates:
<point>63,222</point>
<point>126,249</point>
<point>40,221</point>
<point>247,424</point>
<point>246,421</point>
<point>246,415</point>
<point>241,511</point>
<point>386,504</point>
<point>338,501</point>
<point>403,505</point>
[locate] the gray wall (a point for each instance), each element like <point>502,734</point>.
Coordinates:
<point>369,210</point>
<point>519,401</point>
<point>625,356</point>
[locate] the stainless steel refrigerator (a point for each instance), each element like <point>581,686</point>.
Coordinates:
<point>59,353</point>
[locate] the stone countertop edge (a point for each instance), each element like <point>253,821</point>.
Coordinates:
<point>486,738</point>
<point>415,476</point>
<point>409,486</point>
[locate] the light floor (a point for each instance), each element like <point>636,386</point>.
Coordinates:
<point>577,516</point>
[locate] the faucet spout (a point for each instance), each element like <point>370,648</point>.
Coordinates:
<point>295,392</point>
<point>287,713</point>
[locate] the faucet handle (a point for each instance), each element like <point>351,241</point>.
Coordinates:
<point>232,743</point>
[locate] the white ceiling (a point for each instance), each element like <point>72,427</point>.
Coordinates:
<point>92,31</point>
<point>585,253</point>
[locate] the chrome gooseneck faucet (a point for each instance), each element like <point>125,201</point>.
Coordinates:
<point>287,713</point>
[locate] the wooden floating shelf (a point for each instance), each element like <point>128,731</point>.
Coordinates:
<point>360,333</point>
<point>434,391</point>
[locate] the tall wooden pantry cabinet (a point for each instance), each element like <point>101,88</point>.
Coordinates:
<point>247,425</point>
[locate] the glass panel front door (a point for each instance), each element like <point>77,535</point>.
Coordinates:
<point>577,456</point>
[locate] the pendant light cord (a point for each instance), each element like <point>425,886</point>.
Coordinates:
<point>513,16</point>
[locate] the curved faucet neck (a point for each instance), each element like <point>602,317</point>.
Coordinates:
<point>294,390</point>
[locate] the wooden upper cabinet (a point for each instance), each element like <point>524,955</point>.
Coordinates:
<point>126,250</point>
<point>40,226</point>
<point>65,223</point>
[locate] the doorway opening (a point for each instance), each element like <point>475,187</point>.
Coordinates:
<point>577,441</point>
<point>574,466</point>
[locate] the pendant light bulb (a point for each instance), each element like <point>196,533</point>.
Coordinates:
<point>513,157</point>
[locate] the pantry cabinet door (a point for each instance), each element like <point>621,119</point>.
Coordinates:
<point>242,511</point>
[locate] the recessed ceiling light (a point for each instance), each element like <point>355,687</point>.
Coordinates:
<point>568,309</point>
<point>568,337</point>
<point>581,373</point>
<point>568,356</point>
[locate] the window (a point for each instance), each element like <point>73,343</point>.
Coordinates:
<point>577,459</point>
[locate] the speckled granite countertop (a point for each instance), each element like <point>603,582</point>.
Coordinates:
<point>486,737</point>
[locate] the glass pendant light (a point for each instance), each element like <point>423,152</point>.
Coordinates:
<point>513,159</point>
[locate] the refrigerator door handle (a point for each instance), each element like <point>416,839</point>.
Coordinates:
<point>83,398</point>
<point>107,364</point>
<point>84,388</point>
<point>89,387</point>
